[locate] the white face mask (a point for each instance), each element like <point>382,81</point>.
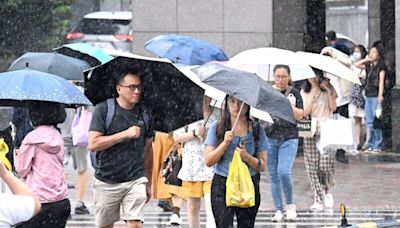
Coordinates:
<point>356,56</point>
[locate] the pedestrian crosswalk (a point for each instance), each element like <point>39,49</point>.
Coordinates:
<point>305,219</point>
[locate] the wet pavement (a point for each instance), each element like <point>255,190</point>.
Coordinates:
<point>368,186</point>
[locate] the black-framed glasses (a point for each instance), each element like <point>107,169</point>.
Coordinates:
<point>133,87</point>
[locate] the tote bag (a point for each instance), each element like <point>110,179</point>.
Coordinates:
<point>80,127</point>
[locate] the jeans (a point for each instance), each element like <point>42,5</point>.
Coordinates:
<point>281,156</point>
<point>375,134</point>
<point>223,215</point>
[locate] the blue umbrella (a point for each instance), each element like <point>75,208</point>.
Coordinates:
<point>20,86</point>
<point>184,49</point>
<point>93,55</point>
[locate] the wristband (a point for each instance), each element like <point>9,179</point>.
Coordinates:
<point>194,133</point>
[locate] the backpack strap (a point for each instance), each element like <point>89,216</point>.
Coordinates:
<point>110,111</point>
<point>288,90</point>
<point>145,116</point>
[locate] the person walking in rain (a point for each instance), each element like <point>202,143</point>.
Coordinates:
<point>319,99</point>
<point>221,144</point>
<point>39,162</point>
<point>283,139</point>
<point>124,154</point>
<point>196,176</point>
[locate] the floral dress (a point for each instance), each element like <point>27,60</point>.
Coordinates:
<point>194,167</point>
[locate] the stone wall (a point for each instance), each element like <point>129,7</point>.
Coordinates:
<point>233,25</point>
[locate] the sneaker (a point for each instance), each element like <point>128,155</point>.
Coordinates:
<point>69,185</point>
<point>165,205</point>
<point>317,207</point>
<point>82,210</point>
<point>174,220</point>
<point>328,201</point>
<point>278,217</point>
<point>368,150</point>
<point>291,213</point>
<point>377,151</point>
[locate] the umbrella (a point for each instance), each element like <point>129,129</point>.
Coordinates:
<point>93,55</point>
<point>53,63</point>
<point>17,87</point>
<point>184,49</point>
<point>218,95</point>
<point>329,65</point>
<point>174,100</point>
<point>261,61</point>
<point>247,87</point>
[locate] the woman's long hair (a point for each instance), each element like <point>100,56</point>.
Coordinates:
<point>224,124</point>
<point>307,85</point>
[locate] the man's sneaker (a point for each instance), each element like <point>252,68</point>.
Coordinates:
<point>82,210</point>
<point>278,217</point>
<point>291,213</point>
<point>328,201</point>
<point>175,220</point>
<point>317,207</point>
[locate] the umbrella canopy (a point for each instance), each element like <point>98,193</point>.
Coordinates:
<point>93,55</point>
<point>174,100</point>
<point>184,49</point>
<point>247,87</point>
<point>218,95</point>
<point>53,63</point>
<point>329,65</point>
<point>261,61</point>
<point>17,87</point>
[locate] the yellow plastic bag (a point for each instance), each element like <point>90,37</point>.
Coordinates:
<point>239,186</point>
<point>3,152</point>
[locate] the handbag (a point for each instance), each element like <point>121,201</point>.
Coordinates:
<point>171,167</point>
<point>80,127</point>
<point>336,133</point>
<point>307,127</point>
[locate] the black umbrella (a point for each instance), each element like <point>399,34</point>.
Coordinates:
<point>54,63</point>
<point>174,100</point>
<point>248,87</point>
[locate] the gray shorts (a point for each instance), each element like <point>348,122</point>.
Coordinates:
<point>110,198</point>
<point>79,157</point>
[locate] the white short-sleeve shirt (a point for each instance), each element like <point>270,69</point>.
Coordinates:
<point>15,209</point>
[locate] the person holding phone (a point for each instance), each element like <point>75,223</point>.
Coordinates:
<point>283,138</point>
<point>221,143</point>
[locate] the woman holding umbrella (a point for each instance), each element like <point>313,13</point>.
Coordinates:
<point>319,103</point>
<point>222,140</point>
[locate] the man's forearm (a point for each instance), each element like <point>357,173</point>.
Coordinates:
<point>101,143</point>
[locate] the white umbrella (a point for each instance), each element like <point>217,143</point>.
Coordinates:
<point>218,95</point>
<point>261,61</point>
<point>329,65</point>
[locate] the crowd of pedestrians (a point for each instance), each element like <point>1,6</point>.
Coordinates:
<point>121,136</point>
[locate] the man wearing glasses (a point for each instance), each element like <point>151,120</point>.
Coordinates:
<point>124,155</point>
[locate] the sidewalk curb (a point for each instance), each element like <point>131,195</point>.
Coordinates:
<point>378,224</point>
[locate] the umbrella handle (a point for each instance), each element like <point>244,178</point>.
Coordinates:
<point>209,115</point>
<point>237,118</point>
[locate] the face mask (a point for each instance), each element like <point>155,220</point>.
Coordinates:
<point>356,56</point>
